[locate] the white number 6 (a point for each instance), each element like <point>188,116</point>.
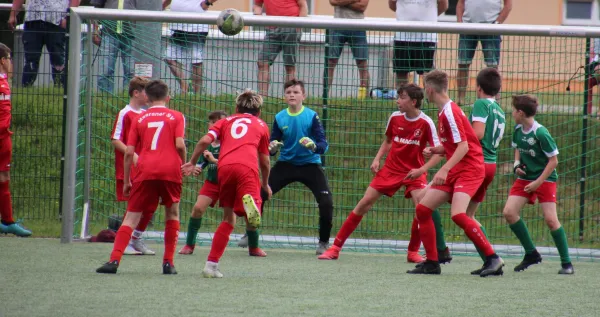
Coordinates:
<point>237,124</point>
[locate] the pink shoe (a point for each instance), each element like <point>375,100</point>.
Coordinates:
<point>257,252</point>
<point>333,253</point>
<point>414,257</point>
<point>187,249</point>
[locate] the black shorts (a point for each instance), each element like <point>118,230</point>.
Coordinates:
<point>414,56</point>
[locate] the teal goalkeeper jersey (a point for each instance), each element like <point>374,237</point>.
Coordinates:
<point>488,111</point>
<point>535,147</point>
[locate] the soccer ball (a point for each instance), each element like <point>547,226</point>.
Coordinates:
<point>230,22</point>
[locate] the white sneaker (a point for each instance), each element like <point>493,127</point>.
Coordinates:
<point>130,250</point>
<point>211,270</point>
<point>140,246</point>
<point>243,243</point>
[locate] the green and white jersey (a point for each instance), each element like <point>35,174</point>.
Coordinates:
<point>211,168</point>
<point>488,111</point>
<point>535,147</point>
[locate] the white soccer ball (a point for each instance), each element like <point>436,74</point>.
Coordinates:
<point>230,22</point>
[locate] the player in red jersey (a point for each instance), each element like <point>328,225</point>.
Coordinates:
<point>119,136</point>
<point>456,181</point>
<point>159,133</point>
<point>7,224</point>
<point>244,141</point>
<point>407,134</point>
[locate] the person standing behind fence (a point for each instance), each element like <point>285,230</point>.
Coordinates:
<point>45,24</point>
<point>478,11</point>
<point>186,44</point>
<point>116,38</point>
<point>357,40</point>
<point>279,39</point>
<point>415,51</point>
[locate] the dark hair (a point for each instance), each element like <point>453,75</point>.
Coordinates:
<point>526,103</point>
<point>249,101</point>
<point>490,81</point>
<point>413,91</point>
<point>294,82</point>
<point>157,90</point>
<point>217,115</point>
<point>137,83</point>
<point>4,50</point>
<point>438,80</point>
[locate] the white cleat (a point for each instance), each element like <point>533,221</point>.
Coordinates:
<point>243,243</point>
<point>140,246</point>
<point>252,212</point>
<point>130,250</point>
<point>211,270</point>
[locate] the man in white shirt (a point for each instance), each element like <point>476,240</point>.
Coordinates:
<point>415,51</point>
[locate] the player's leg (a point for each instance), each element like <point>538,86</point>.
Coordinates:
<point>444,255</point>
<point>313,176</point>
<point>414,243</point>
<point>477,199</point>
<point>198,211</point>
<point>360,51</point>
<point>7,222</point>
<point>248,203</point>
<point>137,243</point>
<point>220,240</point>
<point>170,194</point>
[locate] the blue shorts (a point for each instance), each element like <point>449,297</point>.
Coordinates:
<point>357,40</point>
<point>490,46</point>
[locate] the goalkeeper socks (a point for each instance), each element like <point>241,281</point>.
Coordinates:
<point>520,230</point>
<point>171,235</point>
<point>472,231</point>
<point>193,227</point>
<point>6,204</point>
<point>142,225</point>
<point>347,228</point>
<point>439,231</point>
<point>252,238</point>
<point>479,250</point>
<point>121,242</point>
<point>220,240</point>
<point>415,238</point>
<point>560,239</point>
<point>427,232</point>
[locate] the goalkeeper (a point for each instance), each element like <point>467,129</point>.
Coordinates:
<point>297,130</point>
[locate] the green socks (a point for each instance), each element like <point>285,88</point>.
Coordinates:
<point>252,238</point>
<point>439,230</point>
<point>478,250</point>
<point>520,230</point>
<point>560,239</point>
<point>193,227</point>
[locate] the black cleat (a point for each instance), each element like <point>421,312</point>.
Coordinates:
<point>444,256</point>
<point>168,268</point>
<point>567,268</point>
<point>529,260</point>
<point>478,271</point>
<point>427,267</point>
<point>492,266</point>
<point>108,267</point>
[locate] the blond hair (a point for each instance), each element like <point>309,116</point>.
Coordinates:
<point>249,101</point>
<point>438,80</point>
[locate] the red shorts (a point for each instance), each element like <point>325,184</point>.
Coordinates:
<point>210,190</point>
<point>119,192</point>
<point>388,183</point>
<point>546,193</point>
<point>467,183</point>
<point>145,195</point>
<point>5,153</point>
<point>235,181</point>
<point>490,172</point>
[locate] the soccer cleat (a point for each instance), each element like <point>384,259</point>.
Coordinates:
<point>427,267</point>
<point>414,257</point>
<point>444,256</point>
<point>130,250</point>
<point>333,253</point>
<point>187,249</point>
<point>567,268</point>
<point>169,268</point>
<point>108,267</point>
<point>529,260</point>
<point>140,246</point>
<point>211,270</point>
<point>322,247</point>
<point>362,92</point>
<point>478,271</point>
<point>15,229</point>
<point>492,266</point>
<point>256,252</point>
<point>243,243</point>
<point>252,212</point>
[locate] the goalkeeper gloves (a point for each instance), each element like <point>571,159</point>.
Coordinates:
<point>308,143</point>
<point>274,146</point>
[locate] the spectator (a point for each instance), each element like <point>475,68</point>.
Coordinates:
<point>415,51</point>
<point>279,39</point>
<point>186,44</point>
<point>478,11</point>
<point>116,38</point>
<point>357,40</point>
<point>45,24</point>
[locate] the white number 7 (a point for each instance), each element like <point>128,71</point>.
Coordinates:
<point>159,125</point>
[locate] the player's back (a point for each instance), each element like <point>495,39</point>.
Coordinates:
<point>489,112</point>
<point>155,132</point>
<point>121,128</point>
<point>5,106</point>
<point>242,136</point>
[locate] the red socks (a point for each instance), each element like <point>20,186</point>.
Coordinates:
<point>474,233</point>
<point>171,236</point>
<point>427,232</point>
<point>142,225</point>
<point>5,203</point>
<point>220,240</point>
<point>347,228</point>
<point>121,242</point>
<point>415,238</point>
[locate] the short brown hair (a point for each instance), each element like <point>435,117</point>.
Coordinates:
<point>526,103</point>
<point>249,101</point>
<point>216,115</point>
<point>438,80</point>
<point>413,91</point>
<point>490,81</point>
<point>137,83</point>
<point>156,90</point>
<point>4,50</point>
<point>293,82</point>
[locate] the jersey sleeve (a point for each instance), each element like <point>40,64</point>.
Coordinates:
<point>276,134</point>
<point>263,143</point>
<point>118,130</point>
<point>389,130</point>
<point>480,112</point>
<point>546,142</point>
<point>319,135</point>
<point>432,136</point>
<point>215,130</point>
<point>513,142</point>
<point>133,137</point>
<point>455,124</point>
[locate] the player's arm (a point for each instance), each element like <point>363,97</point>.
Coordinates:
<point>127,160</point>
<point>384,149</point>
<point>479,118</point>
<point>461,150</point>
<point>276,137</point>
<point>181,149</point>
<point>264,163</point>
<point>460,10</point>
<point>359,6</point>
<point>550,167</point>
<point>201,146</point>
<point>479,128</point>
<point>303,8</point>
<point>442,6</point>
<point>317,131</point>
<point>392,5</point>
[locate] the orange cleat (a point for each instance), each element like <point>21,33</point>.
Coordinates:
<point>257,252</point>
<point>187,249</point>
<point>414,257</point>
<point>333,253</point>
